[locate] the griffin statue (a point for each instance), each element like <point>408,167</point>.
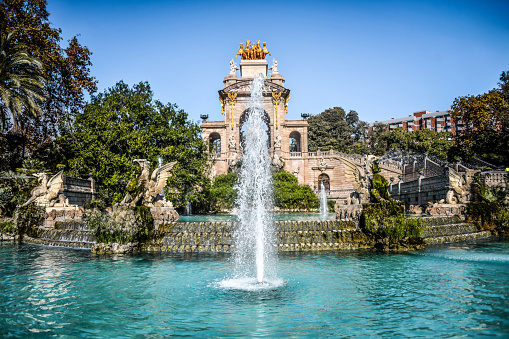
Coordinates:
<point>148,191</point>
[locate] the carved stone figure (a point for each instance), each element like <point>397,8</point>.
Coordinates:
<point>233,161</point>
<point>296,171</point>
<point>233,67</point>
<point>460,188</point>
<point>232,144</point>
<point>277,141</point>
<point>47,193</point>
<point>323,165</point>
<point>278,161</point>
<point>150,189</point>
<point>273,68</point>
<point>360,180</point>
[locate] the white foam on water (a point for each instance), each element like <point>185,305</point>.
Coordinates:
<point>250,284</point>
<point>471,256</point>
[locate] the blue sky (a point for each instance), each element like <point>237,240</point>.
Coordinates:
<point>384,59</point>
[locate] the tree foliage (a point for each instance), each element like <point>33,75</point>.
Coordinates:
<point>123,124</point>
<point>422,141</point>
<point>21,81</point>
<point>222,194</point>
<point>66,70</point>
<point>486,118</point>
<point>334,128</point>
<point>288,194</point>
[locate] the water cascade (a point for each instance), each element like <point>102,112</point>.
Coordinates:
<point>324,209</point>
<point>254,237</point>
<point>188,210</point>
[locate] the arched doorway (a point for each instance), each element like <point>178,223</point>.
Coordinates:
<point>324,178</point>
<point>295,142</point>
<point>243,119</point>
<point>215,143</point>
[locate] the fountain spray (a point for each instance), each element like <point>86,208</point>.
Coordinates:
<point>323,203</point>
<point>254,245</point>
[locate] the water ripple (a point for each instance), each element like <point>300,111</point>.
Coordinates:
<point>46,291</point>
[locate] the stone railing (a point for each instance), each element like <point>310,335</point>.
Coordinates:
<point>391,165</point>
<point>481,163</point>
<point>295,154</point>
<point>355,158</point>
<point>431,168</point>
<point>495,178</point>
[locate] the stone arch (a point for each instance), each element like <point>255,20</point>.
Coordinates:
<point>326,181</point>
<point>215,143</point>
<point>295,142</point>
<point>242,121</point>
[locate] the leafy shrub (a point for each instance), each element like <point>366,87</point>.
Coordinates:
<point>385,220</point>
<point>288,194</point>
<point>222,194</point>
<point>503,222</point>
<point>330,205</point>
<point>123,227</point>
<point>28,219</point>
<point>8,227</point>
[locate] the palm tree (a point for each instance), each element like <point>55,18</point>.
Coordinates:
<point>22,85</point>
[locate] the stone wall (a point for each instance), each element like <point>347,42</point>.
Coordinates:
<point>421,191</point>
<point>291,236</point>
<point>78,191</point>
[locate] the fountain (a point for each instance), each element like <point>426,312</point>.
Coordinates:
<point>254,238</point>
<point>324,209</point>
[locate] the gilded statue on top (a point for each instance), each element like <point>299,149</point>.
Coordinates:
<point>253,51</point>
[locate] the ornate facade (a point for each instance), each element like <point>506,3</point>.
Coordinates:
<point>288,139</point>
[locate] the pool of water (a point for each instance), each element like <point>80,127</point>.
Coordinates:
<point>451,291</point>
<point>285,216</point>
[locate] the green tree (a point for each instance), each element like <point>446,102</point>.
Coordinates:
<point>422,141</point>
<point>288,194</point>
<point>376,141</point>
<point>123,124</point>
<point>337,129</point>
<point>486,119</point>
<point>66,70</point>
<point>21,81</point>
<point>222,194</point>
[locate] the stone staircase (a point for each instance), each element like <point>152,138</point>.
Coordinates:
<point>440,230</point>
<point>71,235</point>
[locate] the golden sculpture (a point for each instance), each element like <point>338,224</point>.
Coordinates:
<point>286,104</point>
<point>241,51</point>
<point>222,105</point>
<point>276,97</point>
<point>253,51</point>
<point>232,97</point>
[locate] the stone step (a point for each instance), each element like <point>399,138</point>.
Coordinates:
<point>449,230</point>
<point>457,238</point>
<point>56,243</point>
<point>65,236</point>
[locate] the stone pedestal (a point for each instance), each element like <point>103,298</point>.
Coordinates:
<point>69,213</point>
<point>252,68</point>
<point>349,212</point>
<point>163,215</point>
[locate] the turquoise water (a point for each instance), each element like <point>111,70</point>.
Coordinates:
<point>459,290</point>
<point>285,216</point>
